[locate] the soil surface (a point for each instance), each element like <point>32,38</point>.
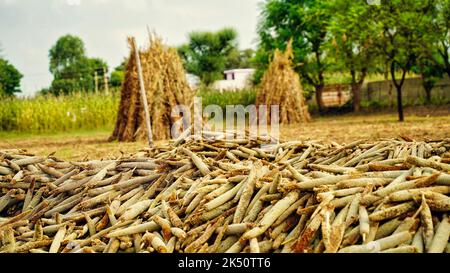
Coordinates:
<point>420,124</point>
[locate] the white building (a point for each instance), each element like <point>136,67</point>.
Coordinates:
<point>235,79</point>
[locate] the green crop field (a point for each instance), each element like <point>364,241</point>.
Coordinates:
<point>84,111</point>
<point>58,114</point>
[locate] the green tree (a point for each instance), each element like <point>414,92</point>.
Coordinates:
<point>306,23</point>
<point>206,53</point>
<point>430,74</point>
<point>240,59</point>
<point>353,34</point>
<point>431,61</point>
<point>9,78</point>
<point>72,70</point>
<point>403,25</point>
<point>68,51</point>
<point>428,65</point>
<point>441,30</point>
<point>118,75</point>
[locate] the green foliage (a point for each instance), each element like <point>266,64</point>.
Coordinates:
<point>9,78</point>
<point>440,31</point>
<point>72,70</point>
<point>206,53</point>
<point>240,59</point>
<point>48,113</point>
<point>353,34</point>
<point>432,60</point>
<point>222,99</point>
<point>261,61</point>
<point>374,104</point>
<point>118,75</point>
<point>67,51</point>
<point>43,91</point>
<point>86,111</point>
<point>306,23</point>
<point>403,25</point>
<point>430,71</point>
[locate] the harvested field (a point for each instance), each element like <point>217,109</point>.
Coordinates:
<point>346,128</point>
<point>233,196</point>
<point>349,128</point>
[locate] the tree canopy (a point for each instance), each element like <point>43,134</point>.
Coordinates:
<point>357,37</point>
<point>353,35</point>
<point>441,31</point>
<point>72,70</point>
<point>403,38</point>
<point>9,78</point>
<point>306,23</point>
<point>206,53</point>
<point>118,75</point>
<point>240,58</point>
<point>68,51</point>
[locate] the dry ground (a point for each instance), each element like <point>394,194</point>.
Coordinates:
<point>342,129</point>
<point>350,128</point>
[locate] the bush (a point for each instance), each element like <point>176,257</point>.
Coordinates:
<point>222,99</point>
<point>374,104</point>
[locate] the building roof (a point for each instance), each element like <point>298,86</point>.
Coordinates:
<point>240,70</point>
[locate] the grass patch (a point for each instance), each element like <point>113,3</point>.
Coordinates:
<point>222,99</point>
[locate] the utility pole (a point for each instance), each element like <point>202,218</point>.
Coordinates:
<point>105,78</point>
<point>96,81</point>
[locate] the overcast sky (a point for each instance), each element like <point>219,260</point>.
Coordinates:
<point>28,28</point>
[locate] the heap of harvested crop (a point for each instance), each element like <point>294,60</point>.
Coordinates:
<point>165,85</point>
<point>231,196</point>
<point>281,86</point>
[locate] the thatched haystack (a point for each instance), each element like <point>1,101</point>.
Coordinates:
<point>281,86</point>
<point>166,86</point>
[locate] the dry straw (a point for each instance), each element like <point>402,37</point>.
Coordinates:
<point>281,86</point>
<point>165,84</point>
